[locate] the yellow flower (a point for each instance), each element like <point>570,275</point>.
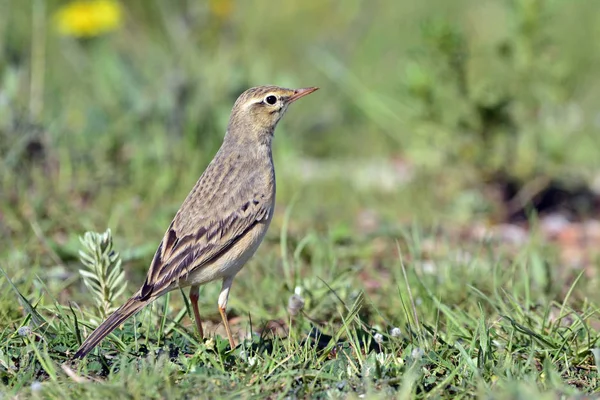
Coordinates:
<point>88,18</point>
<point>221,8</point>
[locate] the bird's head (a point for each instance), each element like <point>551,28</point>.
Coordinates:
<point>258,110</point>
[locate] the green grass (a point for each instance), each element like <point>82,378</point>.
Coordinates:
<point>468,326</point>
<point>380,174</point>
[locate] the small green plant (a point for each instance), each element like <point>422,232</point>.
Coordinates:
<point>103,274</point>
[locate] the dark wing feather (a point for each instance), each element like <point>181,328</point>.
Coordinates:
<point>231,196</point>
<point>179,253</point>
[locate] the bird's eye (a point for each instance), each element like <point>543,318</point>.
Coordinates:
<point>271,99</point>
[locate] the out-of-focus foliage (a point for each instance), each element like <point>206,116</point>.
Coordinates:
<point>110,110</point>
<point>111,125</point>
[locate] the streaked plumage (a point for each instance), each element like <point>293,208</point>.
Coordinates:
<point>223,220</point>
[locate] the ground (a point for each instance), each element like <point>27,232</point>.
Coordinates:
<point>436,232</point>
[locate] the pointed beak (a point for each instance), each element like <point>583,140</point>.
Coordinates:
<point>301,93</point>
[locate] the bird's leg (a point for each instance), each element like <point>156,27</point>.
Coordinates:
<point>223,308</point>
<point>194,296</point>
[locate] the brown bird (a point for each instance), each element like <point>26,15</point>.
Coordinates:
<point>223,220</point>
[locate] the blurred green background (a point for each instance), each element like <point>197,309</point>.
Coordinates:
<point>427,110</point>
<point>431,115</point>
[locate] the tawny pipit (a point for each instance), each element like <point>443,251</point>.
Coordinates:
<point>224,218</point>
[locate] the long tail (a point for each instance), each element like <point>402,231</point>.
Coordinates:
<point>130,307</point>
